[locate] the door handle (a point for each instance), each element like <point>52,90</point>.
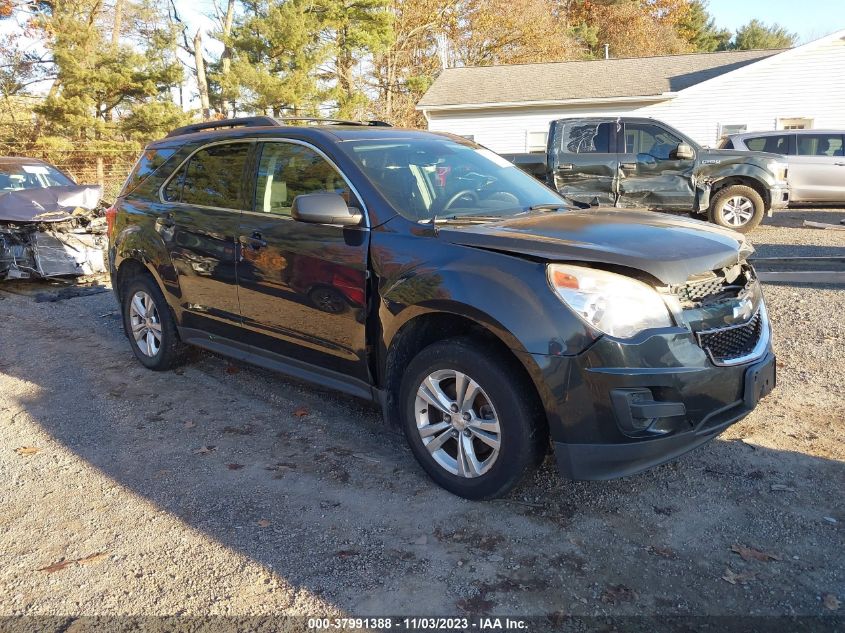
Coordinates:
<point>628,165</point>
<point>165,221</point>
<point>566,166</point>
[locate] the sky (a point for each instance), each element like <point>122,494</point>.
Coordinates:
<point>810,19</point>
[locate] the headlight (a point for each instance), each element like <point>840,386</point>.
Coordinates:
<point>611,303</point>
<point>779,169</point>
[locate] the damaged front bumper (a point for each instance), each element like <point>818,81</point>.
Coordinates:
<point>51,232</point>
<point>33,251</point>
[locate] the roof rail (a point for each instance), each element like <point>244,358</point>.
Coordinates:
<point>265,121</point>
<point>371,123</point>
<point>251,121</point>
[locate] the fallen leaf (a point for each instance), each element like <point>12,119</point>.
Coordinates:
<point>190,424</point>
<point>830,601</point>
<point>782,488</point>
<point>234,466</point>
<point>749,553</point>
<point>92,558</point>
<point>663,552</point>
<point>26,450</point>
<point>734,578</point>
<point>246,429</point>
<point>50,569</point>
<point>301,412</point>
<point>618,593</point>
<point>830,520</point>
<point>421,540</point>
<point>232,369</point>
<point>205,450</point>
<point>347,553</point>
<point>475,605</point>
<point>263,523</point>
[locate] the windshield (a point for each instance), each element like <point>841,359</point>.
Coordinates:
<point>35,176</point>
<point>445,178</point>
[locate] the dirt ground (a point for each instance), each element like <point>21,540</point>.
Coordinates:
<point>220,489</point>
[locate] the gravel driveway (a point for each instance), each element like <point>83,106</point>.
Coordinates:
<point>223,489</point>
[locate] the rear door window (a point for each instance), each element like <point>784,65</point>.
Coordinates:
<point>212,177</point>
<point>589,137</point>
<point>820,145</point>
<point>777,144</point>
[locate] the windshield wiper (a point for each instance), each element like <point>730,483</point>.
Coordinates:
<point>548,206</point>
<point>466,218</point>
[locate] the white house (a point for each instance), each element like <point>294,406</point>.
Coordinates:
<point>704,95</point>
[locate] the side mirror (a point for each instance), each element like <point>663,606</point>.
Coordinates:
<point>684,152</point>
<point>324,208</point>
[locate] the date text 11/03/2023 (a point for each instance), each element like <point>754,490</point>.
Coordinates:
<point>419,624</point>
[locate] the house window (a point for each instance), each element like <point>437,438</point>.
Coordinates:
<point>537,141</point>
<point>795,124</point>
<point>737,128</point>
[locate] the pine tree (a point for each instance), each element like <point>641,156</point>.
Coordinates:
<point>755,35</point>
<point>699,28</point>
<point>275,52</point>
<point>354,31</point>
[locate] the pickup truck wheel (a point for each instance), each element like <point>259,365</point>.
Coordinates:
<point>737,207</point>
<point>470,425</point>
<point>149,325</point>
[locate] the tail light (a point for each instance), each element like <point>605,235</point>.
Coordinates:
<point>111,215</point>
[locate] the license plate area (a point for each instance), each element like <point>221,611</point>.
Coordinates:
<point>760,379</point>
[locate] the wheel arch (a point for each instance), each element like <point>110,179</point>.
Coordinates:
<point>426,327</point>
<point>746,180</point>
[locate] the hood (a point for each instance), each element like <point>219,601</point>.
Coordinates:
<point>668,248</point>
<point>47,204</point>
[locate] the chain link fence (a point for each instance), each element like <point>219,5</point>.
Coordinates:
<point>105,167</point>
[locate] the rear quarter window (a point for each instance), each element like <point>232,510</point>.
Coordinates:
<point>777,144</point>
<point>150,161</point>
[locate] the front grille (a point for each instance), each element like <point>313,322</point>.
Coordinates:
<point>696,290</point>
<point>731,343</point>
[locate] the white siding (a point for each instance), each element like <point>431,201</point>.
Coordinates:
<point>506,130</point>
<point>808,82</point>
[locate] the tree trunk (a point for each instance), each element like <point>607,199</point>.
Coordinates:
<point>101,172</point>
<point>118,22</point>
<point>202,81</point>
<point>226,58</point>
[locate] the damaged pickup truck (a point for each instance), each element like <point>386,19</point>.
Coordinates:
<point>644,163</point>
<point>49,225</point>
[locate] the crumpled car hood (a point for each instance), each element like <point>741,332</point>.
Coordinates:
<point>48,204</point>
<point>669,248</point>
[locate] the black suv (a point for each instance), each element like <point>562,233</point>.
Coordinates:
<point>428,274</point>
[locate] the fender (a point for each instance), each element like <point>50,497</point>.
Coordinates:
<point>706,177</point>
<point>416,276</point>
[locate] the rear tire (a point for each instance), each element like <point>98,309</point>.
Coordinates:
<point>470,419</point>
<point>149,325</point>
<point>737,207</point>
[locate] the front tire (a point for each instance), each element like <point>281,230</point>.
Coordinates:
<point>737,207</point>
<point>149,325</point>
<point>470,419</point>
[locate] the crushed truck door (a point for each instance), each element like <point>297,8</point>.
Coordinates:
<point>583,163</point>
<point>651,173</point>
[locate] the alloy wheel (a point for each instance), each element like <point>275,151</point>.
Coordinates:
<point>145,323</point>
<point>457,423</point>
<point>737,211</point>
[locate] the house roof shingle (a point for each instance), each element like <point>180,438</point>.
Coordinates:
<point>597,79</point>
